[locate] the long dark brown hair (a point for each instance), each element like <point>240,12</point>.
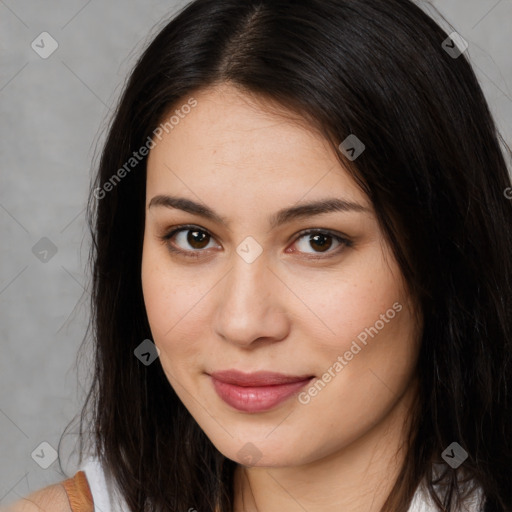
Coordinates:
<point>437,177</point>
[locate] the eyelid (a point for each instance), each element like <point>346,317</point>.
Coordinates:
<point>343,239</point>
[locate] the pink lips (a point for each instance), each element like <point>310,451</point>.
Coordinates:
<point>256,392</point>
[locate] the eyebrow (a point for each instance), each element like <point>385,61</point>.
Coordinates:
<point>300,211</point>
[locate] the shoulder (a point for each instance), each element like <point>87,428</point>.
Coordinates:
<point>51,498</point>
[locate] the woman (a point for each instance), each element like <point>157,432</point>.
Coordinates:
<point>302,266</point>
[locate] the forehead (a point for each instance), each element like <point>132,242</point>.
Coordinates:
<point>231,143</point>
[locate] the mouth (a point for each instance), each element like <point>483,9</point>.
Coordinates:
<point>258,391</point>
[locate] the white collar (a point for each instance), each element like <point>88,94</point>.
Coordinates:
<point>422,502</point>
<point>107,499</point>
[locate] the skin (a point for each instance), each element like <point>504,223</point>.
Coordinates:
<point>283,312</point>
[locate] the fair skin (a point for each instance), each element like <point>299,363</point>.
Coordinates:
<point>52,498</point>
<point>284,312</point>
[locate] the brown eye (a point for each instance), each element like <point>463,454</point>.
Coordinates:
<point>196,238</point>
<point>189,241</point>
<point>320,242</point>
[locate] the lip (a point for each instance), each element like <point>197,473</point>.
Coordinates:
<point>258,391</point>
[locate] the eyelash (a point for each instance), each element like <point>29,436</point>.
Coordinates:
<point>345,242</point>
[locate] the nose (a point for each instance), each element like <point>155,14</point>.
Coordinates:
<point>251,304</point>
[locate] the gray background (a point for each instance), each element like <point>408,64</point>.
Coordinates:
<point>54,113</point>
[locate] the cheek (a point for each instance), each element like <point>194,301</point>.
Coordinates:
<point>365,301</point>
<point>173,305</point>
<point>369,351</point>
<point>369,360</point>
<point>371,356</point>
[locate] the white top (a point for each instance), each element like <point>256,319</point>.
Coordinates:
<point>107,499</point>
<point>104,493</point>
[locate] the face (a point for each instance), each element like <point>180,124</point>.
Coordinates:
<point>313,295</point>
